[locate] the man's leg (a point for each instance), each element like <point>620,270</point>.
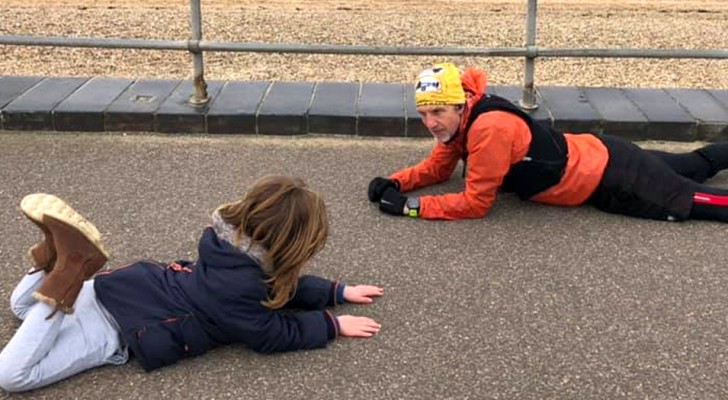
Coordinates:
<point>710,203</point>
<point>698,165</point>
<point>639,183</point>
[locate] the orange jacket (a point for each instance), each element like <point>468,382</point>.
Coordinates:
<point>497,140</point>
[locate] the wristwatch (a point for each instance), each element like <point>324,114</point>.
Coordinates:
<point>413,207</point>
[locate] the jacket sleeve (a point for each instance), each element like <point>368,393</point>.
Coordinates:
<point>281,331</point>
<point>491,153</point>
<point>436,168</point>
<point>271,331</point>
<point>314,293</point>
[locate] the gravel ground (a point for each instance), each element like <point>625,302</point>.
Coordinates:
<point>697,24</point>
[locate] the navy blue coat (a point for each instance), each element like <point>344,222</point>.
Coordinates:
<point>169,312</point>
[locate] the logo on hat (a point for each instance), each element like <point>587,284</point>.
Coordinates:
<point>427,84</point>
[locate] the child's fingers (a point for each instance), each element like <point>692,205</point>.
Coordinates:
<point>358,326</point>
<point>368,290</point>
<point>371,329</point>
<point>366,324</point>
<point>370,325</point>
<point>364,296</point>
<point>375,290</point>
<point>367,331</point>
<point>362,293</point>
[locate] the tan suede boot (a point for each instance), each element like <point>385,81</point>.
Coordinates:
<point>43,254</point>
<point>79,255</point>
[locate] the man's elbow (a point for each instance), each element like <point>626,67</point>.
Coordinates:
<point>478,209</point>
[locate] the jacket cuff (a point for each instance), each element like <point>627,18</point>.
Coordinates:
<point>337,293</point>
<point>340,292</point>
<point>332,325</point>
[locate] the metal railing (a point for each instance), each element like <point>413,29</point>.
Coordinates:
<point>196,46</point>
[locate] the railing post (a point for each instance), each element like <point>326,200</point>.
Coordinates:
<point>528,99</point>
<point>200,96</point>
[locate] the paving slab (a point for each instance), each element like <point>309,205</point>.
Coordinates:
<point>284,110</point>
<point>334,108</point>
<point>84,109</point>
<point>177,115</point>
<point>382,109</point>
<point>668,121</point>
<point>13,86</point>
<point>710,114</point>
<point>720,95</point>
<point>619,116</point>
<point>33,109</point>
<point>135,108</point>
<point>570,109</point>
<point>234,109</point>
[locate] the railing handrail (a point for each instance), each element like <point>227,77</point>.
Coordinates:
<point>261,47</point>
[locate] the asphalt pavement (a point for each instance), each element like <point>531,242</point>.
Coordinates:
<point>531,302</point>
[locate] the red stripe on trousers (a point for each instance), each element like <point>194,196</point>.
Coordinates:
<point>711,199</point>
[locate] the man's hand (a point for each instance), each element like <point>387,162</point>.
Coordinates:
<point>362,294</point>
<point>393,202</point>
<point>378,186</point>
<point>352,326</point>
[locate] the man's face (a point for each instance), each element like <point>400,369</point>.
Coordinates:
<point>442,121</point>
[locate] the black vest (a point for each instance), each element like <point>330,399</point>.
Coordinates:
<point>547,155</point>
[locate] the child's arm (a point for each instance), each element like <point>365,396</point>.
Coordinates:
<point>314,293</point>
<point>268,331</point>
<point>279,331</point>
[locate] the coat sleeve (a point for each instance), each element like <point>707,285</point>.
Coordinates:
<point>271,331</point>
<point>491,153</point>
<point>436,168</point>
<point>313,293</point>
<point>280,331</point>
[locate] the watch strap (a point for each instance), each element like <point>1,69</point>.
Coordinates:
<point>413,207</point>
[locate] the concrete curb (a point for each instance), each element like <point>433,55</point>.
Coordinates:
<point>356,109</point>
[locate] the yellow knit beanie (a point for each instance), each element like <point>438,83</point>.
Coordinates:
<point>439,85</point>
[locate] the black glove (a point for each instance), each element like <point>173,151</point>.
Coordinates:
<point>377,187</point>
<point>393,202</point>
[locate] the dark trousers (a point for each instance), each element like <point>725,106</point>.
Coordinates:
<point>659,185</point>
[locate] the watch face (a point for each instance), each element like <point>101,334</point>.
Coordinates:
<point>413,203</point>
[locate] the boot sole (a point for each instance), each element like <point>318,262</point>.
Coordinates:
<point>34,206</point>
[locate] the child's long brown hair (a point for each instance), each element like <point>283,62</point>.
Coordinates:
<point>286,218</point>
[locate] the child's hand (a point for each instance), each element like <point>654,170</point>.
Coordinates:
<point>362,293</point>
<point>352,326</point>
